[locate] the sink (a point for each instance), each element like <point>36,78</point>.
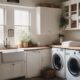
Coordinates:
<point>12,55</point>
<point>71,43</point>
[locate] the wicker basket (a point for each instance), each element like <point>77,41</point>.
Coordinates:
<point>47,73</point>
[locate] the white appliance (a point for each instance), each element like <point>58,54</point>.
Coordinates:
<point>72,65</point>
<point>58,62</point>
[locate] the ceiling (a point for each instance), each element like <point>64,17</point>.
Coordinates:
<point>35,2</point>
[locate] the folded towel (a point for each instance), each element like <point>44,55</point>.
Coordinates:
<point>71,43</point>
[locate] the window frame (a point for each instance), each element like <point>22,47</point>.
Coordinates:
<point>27,26</point>
<point>3,25</point>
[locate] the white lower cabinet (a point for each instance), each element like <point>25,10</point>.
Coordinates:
<point>36,60</point>
<point>33,63</point>
<point>19,69</point>
<point>45,57</point>
<point>11,70</point>
<point>6,71</point>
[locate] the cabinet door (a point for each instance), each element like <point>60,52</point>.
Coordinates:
<point>6,71</point>
<point>19,69</point>
<point>11,70</point>
<point>48,20</point>
<point>45,57</point>
<point>73,16</point>
<point>33,63</point>
<point>71,9</point>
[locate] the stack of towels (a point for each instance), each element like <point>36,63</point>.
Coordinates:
<point>71,43</point>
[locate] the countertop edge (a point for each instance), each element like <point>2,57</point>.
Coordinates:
<point>59,46</point>
<point>25,49</point>
<point>36,48</point>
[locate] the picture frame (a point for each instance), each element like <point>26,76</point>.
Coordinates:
<point>10,32</point>
<point>14,1</point>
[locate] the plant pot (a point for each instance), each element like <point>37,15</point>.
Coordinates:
<point>20,44</point>
<point>25,44</point>
<point>48,73</point>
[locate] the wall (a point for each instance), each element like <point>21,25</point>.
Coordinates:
<point>44,39</point>
<point>72,35</point>
<point>40,39</point>
<point>10,20</point>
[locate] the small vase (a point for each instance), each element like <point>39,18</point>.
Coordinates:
<point>20,44</point>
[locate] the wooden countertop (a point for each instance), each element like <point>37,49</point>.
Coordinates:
<point>24,49</point>
<point>39,48</point>
<point>72,48</point>
<point>35,48</point>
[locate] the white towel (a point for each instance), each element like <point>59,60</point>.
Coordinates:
<point>71,43</point>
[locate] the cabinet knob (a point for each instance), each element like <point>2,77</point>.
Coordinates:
<point>13,64</point>
<point>74,52</point>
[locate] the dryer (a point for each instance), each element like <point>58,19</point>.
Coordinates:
<point>59,62</point>
<point>72,65</point>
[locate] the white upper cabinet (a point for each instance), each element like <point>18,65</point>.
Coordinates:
<point>47,20</point>
<point>71,11</point>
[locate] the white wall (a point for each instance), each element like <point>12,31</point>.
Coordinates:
<point>44,39</point>
<point>10,20</point>
<point>41,39</point>
<point>72,35</point>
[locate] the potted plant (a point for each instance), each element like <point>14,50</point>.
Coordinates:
<point>63,24</point>
<point>25,39</point>
<point>47,72</point>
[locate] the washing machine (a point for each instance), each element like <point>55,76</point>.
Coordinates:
<point>72,65</point>
<point>59,62</point>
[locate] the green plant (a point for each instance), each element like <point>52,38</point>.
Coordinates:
<point>63,22</point>
<point>25,37</point>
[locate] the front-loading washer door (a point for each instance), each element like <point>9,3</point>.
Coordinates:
<point>57,62</point>
<point>73,65</point>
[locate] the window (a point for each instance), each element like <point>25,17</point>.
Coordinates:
<point>2,25</point>
<point>21,23</point>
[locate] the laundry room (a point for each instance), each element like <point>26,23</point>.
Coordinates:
<point>39,40</point>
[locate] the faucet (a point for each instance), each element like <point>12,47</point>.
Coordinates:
<point>5,43</point>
